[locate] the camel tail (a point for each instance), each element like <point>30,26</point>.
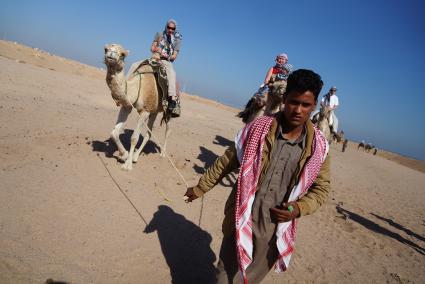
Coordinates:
<point>165,117</point>
<point>244,115</point>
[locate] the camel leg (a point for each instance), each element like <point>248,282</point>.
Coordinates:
<point>128,165</point>
<point>167,133</point>
<point>146,138</point>
<point>118,129</point>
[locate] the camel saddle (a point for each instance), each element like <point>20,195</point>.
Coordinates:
<point>161,78</point>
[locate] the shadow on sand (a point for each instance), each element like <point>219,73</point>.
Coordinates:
<point>208,157</point>
<point>377,228</point>
<point>109,148</point>
<point>220,140</point>
<point>400,227</point>
<point>185,246</point>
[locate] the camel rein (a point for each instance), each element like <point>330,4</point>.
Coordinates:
<point>140,85</point>
<point>179,174</point>
<point>166,155</point>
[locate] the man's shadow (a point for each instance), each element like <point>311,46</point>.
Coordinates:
<point>186,247</point>
<point>108,147</point>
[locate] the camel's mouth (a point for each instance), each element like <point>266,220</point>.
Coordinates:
<point>112,56</point>
<point>110,59</point>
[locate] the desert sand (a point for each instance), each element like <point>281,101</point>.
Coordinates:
<point>69,213</point>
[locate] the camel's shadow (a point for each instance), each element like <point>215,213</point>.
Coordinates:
<point>220,140</point>
<point>368,224</point>
<point>109,148</point>
<point>208,157</point>
<point>185,246</point>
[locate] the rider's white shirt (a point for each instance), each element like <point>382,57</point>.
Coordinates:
<point>333,101</point>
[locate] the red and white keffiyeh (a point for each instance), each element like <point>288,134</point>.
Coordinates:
<point>249,146</point>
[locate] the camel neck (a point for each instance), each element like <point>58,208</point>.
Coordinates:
<point>116,81</point>
<point>115,70</point>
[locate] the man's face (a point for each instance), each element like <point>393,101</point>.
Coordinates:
<point>298,107</point>
<point>171,28</point>
<point>281,60</point>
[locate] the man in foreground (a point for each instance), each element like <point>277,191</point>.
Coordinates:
<point>284,174</point>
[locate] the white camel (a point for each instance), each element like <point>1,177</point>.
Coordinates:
<point>323,122</point>
<point>138,91</point>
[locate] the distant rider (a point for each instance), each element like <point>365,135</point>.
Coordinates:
<point>331,101</point>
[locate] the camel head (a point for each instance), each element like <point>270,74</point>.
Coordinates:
<point>277,88</point>
<point>114,56</point>
<point>276,93</point>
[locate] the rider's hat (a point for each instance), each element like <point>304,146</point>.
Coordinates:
<point>333,88</point>
<point>282,55</point>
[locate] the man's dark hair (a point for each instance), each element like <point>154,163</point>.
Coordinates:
<point>303,80</point>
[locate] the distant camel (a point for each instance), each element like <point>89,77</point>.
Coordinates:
<point>361,145</point>
<point>264,104</point>
<point>338,137</point>
<point>139,91</point>
<point>367,147</point>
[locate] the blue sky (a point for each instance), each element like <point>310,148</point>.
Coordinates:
<point>373,51</point>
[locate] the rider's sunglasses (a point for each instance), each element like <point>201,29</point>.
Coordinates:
<point>171,28</point>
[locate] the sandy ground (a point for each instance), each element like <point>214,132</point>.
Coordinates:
<point>69,213</point>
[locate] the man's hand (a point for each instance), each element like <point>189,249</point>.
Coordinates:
<point>190,195</point>
<point>286,212</point>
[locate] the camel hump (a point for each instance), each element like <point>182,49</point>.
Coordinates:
<point>154,69</point>
<point>145,68</point>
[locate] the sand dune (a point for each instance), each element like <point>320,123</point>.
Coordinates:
<point>68,212</point>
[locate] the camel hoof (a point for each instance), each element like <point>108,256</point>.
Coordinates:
<point>123,157</point>
<point>162,155</point>
<point>128,166</point>
<point>135,158</point>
